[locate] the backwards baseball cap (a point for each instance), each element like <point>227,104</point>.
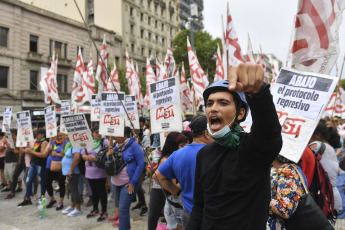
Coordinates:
<point>198,124</point>
<point>156,140</point>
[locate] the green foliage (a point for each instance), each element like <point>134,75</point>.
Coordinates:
<point>205,48</point>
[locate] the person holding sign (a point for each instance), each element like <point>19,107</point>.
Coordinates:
<point>38,162</point>
<point>232,175</point>
<point>3,148</point>
<point>70,169</point>
<point>53,170</point>
<point>127,181</point>
<point>96,176</point>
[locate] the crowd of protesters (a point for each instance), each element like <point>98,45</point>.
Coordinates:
<point>212,175</point>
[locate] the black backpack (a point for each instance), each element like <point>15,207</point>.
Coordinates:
<point>114,164</point>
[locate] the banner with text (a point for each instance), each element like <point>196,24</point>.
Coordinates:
<point>50,119</point>
<point>111,103</point>
<point>132,110</point>
<point>65,110</point>
<point>131,103</point>
<point>300,99</point>
<point>112,125</point>
<point>6,118</point>
<point>9,135</point>
<point>24,131</point>
<point>134,118</point>
<point>166,119</point>
<point>95,107</point>
<point>163,93</point>
<point>78,131</point>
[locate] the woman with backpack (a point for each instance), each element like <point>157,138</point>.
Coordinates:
<point>96,176</point>
<point>127,181</point>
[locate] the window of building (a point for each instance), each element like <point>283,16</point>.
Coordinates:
<point>149,4</point>
<point>132,48</point>
<point>156,24</point>
<point>117,60</point>
<point>81,50</point>
<point>141,17</point>
<point>3,36</point>
<point>33,43</point>
<point>149,20</point>
<point>58,46</point>
<point>33,79</point>
<point>61,83</point>
<point>156,39</point>
<point>141,33</point>
<point>150,52</point>
<point>162,12</point>
<point>156,7</point>
<point>162,27</point>
<point>163,41</point>
<point>131,11</point>
<point>65,50</point>
<point>171,31</point>
<point>3,77</point>
<point>142,51</point>
<point>50,48</point>
<point>149,36</point>
<point>132,29</point>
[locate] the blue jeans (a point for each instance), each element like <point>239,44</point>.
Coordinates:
<point>124,200</point>
<point>33,171</point>
<point>83,179</point>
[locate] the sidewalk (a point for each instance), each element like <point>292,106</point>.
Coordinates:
<point>12,217</point>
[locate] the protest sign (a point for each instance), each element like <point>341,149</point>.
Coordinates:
<point>111,103</point>
<point>78,131</point>
<point>50,120</point>
<point>300,99</point>
<point>95,107</point>
<point>163,137</point>
<point>166,119</point>
<point>9,135</point>
<point>65,110</point>
<point>163,93</point>
<point>24,132</point>
<point>7,118</point>
<point>131,108</point>
<point>112,125</point>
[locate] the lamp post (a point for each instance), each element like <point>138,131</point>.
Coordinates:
<point>189,24</point>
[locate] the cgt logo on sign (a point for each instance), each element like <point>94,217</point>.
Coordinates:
<point>292,126</point>
<point>112,120</point>
<point>164,113</point>
<point>80,137</point>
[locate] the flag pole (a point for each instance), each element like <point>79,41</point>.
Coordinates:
<point>341,73</point>
<point>225,42</point>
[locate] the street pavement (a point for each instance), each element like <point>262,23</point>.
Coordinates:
<point>12,217</point>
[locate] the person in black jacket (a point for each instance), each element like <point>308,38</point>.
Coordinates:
<point>232,175</point>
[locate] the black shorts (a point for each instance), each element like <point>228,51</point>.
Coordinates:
<point>2,162</point>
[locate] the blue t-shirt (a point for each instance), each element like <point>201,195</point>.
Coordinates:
<point>181,166</point>
<point>58,150</point>
<point>67,161</point>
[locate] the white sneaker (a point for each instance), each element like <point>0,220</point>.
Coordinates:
<point>110,198</point>
<point>75,212</point>
<point>67,210</point>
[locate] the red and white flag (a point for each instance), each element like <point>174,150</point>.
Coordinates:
<point>231,41</point>
<point>101,74</point>
<point>139,95</point>
<point>274,75</point>
<point>130,75</point>
<point>185,93</point>
<point>150,78</point>
<point>89,80</point>
<point>316,42</point>
<point>219,67</point>
<point>48,83</point>
<point>158,66</point>
<point>250,57</point>
<point>114,78</point>
<point>161,71</point>
<point>169,62</point>
<point>224,52</point>
<point>197,74</point>
<point>78,96</point>
<point>261,61</point>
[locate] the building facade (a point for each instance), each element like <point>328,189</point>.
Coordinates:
<point>28,37</point>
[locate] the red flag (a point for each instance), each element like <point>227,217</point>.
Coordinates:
<point>197,74</point>
<point>250,57</point>
<point>169,62</point>
<point>219,67</point>
<point>161,72</point>
<point>48,83</point>
<point>114,78</point>
<point>78,95</point>
<point>89,81</point>
<point>150,78</point>
<point>185,92</point>
<point>101,74</point>
<point>275,75</point>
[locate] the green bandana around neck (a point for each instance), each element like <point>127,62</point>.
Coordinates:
<point>231,140</point>
<point>67,147</point>
<point>96,143</point>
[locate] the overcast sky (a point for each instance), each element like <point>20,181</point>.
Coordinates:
<point>268,22</point>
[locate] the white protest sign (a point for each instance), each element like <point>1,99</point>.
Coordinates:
<point>131,103</point>
<point>300,99</point>
<point>65,110</point>
<point>134,118</point>
<point>78,131</point>
<point>163,93</point>
<point>24,132</point>
<point>166,119</point>
<point>112,125</point>
<point>95,107</point>
<point>9,135</point>
<point>163,137</point>
<point>50,120</point>
<point>111,103</point>
<point>7,118</point>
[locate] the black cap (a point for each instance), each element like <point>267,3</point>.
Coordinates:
<point>40,131</point>
<point>95,129</point>
<point>198,124</point>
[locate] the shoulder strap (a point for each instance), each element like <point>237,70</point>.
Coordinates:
<point>301,178</point>
<point>102,142</point>
<point>322,148</point>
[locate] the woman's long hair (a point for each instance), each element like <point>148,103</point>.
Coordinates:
<point>172,144</point>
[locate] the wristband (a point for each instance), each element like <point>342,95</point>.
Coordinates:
<point>179,192</point>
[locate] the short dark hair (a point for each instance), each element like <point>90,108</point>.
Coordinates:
<point>142,119</point>
<point>189,135</point>
<point>128,132</point>
<point>323,130</point>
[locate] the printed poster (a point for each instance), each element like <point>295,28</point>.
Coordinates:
<point>78,131</point>
<point>112,125</point>
<point>24,131</point>
<point>166,119</point>
<point>112,103</point>
<point>95,107</point>
<point>9,135</point>
<point>65,110</point>
<point>132,111</point>
<point>300,99</point>
<point>50,120</point>
<point>163,93</point>
<point>7,118</point>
